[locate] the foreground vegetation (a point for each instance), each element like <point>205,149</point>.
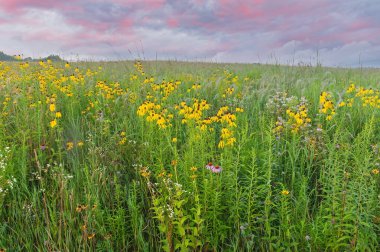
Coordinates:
<point>180,156</point>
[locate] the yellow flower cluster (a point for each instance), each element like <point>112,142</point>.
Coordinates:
<point>139,67</point>
<point>149,80</point>
<point>51,101</point>
<point>57,79</point>
<point>298,119</point>
<point>5,104</point>
<point>193,170</point>
<point>193,112</point>
<point>194,87</point>
<point>228,92</point>
<point>109,91</point>
<point>226,117</point>
<point>230,77</point>
<point>369,97</point>
<point>24,65</point>
<point>166,88</point>
<point>123,138</point>
<point>228,121</point>
<point>45,79</point>
<point>326,105</point>
<point>226,138</point>
<point>155,113</point>
<point>295,116</point>
<point>91,105</point>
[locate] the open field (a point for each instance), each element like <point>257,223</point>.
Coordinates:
<point>171,156</point>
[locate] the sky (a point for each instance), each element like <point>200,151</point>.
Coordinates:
<point>340,33</point>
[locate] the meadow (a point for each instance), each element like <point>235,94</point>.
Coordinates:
<point>174,156</point>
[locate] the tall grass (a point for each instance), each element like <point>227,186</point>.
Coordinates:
<point>108,179</point>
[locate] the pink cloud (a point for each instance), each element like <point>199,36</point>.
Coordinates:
<point>125,24</point>
<point>172,22</point>
<point>80,39</point>
<point>18,6</point>
<point>359,24</point>
<point>243,27</point>
<point>239,8</point>
<point>148,4</point>
<point>89,25</point>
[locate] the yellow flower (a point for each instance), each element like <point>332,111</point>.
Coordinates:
<point>80,144</point>
<point>90,236</point>
<point>69,145</point>
<point>78,209</point>
<point>285,192</point>
<point>53,123</point>
<point>58,115</point>
<point>221,144</point>
<point>351,88</point>
<point>145,172</point>
<point>161,174</point>
<point>52,107</point>
<point>193,169</point>
<point>174,140</point>
<point>375,171</point>
<point>123,141</point>
<point>231,141</point>
<point>174,162</point>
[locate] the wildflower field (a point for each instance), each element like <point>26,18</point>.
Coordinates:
<point>171,156</point>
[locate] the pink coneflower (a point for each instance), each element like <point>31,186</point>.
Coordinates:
<point>216,169</point>
<point>209,166</point>
<point>42,147</point>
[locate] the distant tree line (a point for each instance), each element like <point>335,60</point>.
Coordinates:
<point>5,57</point>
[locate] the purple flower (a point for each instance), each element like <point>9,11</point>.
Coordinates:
<point>216,169</point>
<point>209,166</point>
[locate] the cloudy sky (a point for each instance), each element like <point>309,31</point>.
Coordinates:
<point>335,33</point>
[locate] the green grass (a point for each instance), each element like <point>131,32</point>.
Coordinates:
<point>310,186</point>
